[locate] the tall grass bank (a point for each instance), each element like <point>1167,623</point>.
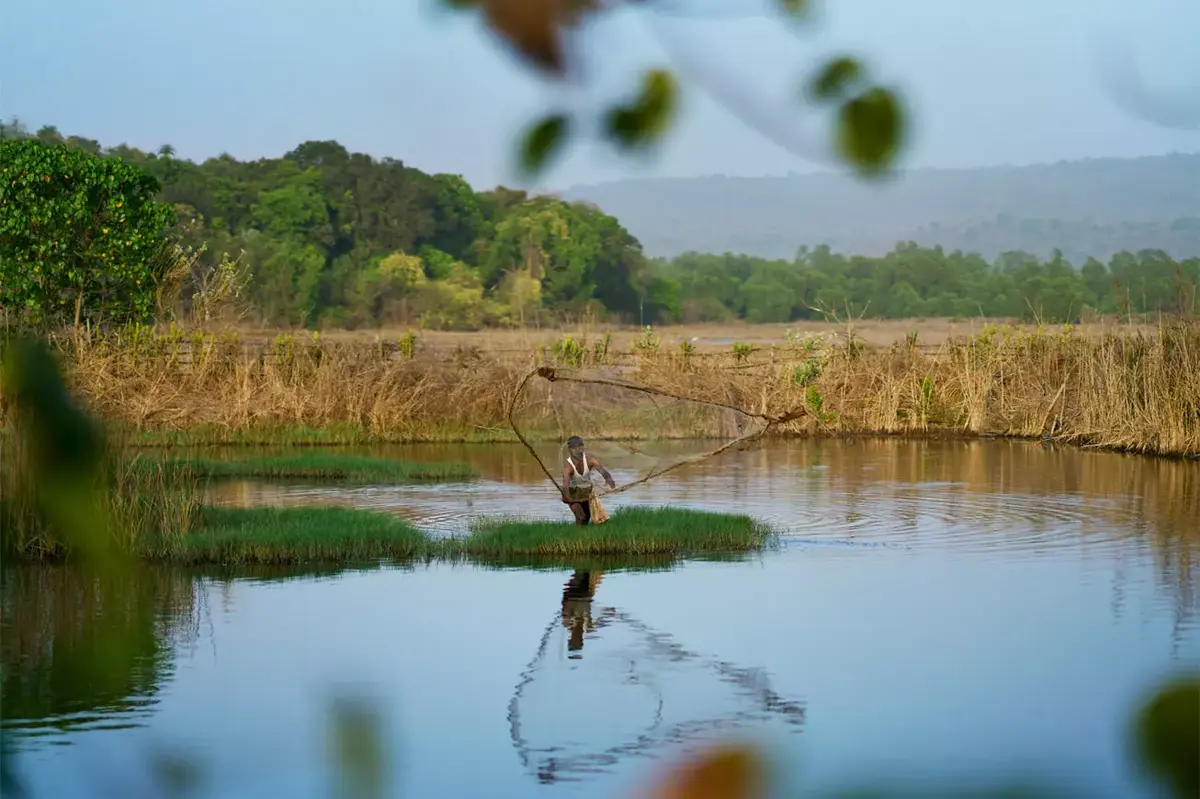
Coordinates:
<point>1126,388</point>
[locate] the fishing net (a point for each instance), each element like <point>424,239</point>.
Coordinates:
<point>636,692</point>
<point>637,431</point>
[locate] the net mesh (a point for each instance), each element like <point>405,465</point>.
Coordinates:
<point>637,431</point>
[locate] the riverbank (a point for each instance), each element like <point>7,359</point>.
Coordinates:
<point>320,467</point>
<point>1125,389</point>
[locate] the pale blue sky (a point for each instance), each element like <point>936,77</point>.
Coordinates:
<point>991,81</point>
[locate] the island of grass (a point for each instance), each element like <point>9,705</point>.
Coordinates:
<point>325,467</point>
<point>629,531</point>
<point>269,535</point>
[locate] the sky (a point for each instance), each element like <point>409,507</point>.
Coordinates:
<point>988,82</point>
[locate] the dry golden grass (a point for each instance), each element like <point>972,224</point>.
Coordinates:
<point>714,337</point>
<point>1125,388</point>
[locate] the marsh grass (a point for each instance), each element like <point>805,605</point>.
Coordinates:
<point>323,466</point>
<point>275,536</point>
<point>1125,387</point>
<point>269,536</point>
<point>630,531</point>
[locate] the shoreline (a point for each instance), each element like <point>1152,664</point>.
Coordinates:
<point>153,440</point>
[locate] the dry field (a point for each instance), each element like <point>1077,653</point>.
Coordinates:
<point>931,333</point>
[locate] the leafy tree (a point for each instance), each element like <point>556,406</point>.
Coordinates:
<point>81,236</point>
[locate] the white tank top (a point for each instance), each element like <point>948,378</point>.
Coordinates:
<point>571,461</point>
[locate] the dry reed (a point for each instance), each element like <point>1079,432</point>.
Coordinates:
<point>1125,389</point>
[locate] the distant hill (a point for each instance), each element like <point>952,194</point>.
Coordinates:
<point>1092,207</point>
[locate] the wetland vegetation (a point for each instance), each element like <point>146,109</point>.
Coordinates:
<point>324,466</point>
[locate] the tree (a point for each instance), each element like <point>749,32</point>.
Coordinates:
<point>80,235</point>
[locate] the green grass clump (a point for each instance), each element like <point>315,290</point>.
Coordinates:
<point>327,466</point>
<point>629,531</point>
<point>268,535</point>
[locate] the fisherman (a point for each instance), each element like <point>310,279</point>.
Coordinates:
<point>578,491</point>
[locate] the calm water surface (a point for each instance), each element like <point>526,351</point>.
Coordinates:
<point>939,609</point>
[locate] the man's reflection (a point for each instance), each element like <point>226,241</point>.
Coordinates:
<point>577,608</point>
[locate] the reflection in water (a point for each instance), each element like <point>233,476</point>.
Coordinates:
<point>80,652</point>
<point>642,692</point>
<point>577,607</point>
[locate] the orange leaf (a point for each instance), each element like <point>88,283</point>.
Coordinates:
<point>727,772</point>
<point>533,27</point>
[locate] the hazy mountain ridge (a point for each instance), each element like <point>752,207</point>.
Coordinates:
<point>1091,207</point>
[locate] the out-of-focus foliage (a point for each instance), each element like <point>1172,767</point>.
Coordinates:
<point>870,120</point>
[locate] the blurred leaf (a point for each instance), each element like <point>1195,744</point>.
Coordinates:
<point>63,439</point>
<point>729,772</point>
<point>358,750</point>
<point>870,130</point>
<point>64,448</point>
<point>177,775</point>
<point>646,119</point>
<point>542,140</point>
<point>793,6</point>
<point>532,27</point>
<point>835,78</point>
<point>1167,737</point>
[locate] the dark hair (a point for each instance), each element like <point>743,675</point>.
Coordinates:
<point>575,442</point>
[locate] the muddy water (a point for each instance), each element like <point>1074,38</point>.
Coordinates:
<point>961,611</point>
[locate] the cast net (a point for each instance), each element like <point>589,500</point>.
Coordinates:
<point>638,431</point>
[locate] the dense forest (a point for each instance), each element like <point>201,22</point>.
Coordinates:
<point>322,237</point>
<point>1085,209</point>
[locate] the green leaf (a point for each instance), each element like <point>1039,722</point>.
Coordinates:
<point>1167,737</point>
<point>646,119</point>
<point>541,142</point>
<point>358,749</point>
<point>793,7</point>
<point>835,78</point>
<point>871,130</point>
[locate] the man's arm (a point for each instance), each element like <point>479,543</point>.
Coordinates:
<point>566,482</point>
<point>598,466</point>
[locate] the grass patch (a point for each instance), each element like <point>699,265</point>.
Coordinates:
<point>629,531</point>
<point>325,466</point>
<point>271,536</point>
<point>633,537</point>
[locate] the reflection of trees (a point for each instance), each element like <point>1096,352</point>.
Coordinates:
<point>657,652</point>
<point>79,651</point>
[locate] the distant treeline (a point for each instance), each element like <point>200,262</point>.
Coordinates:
<point>326,237</point>
<point>913,281</point>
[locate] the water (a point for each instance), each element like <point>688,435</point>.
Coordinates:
<point>940,609</point>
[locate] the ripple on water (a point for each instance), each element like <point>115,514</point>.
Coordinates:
<point>809,510</point>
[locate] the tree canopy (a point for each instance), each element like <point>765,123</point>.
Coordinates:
<point>329,238</point>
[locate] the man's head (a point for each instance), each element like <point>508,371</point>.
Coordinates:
<point>575,445</point>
